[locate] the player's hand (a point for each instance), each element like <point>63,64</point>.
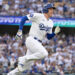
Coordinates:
<point>19,35</point>
<point>57,30</point>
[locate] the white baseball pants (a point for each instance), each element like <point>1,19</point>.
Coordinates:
<point>35,51</point>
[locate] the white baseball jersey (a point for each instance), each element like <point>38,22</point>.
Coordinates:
<point>40,25</point>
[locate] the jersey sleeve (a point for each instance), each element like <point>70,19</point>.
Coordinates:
<point>50,31</point>
<point>33,16</point>
<point>51,27</point>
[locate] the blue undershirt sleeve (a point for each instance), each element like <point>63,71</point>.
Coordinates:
<point>23,20</point>
<point>49,36</point>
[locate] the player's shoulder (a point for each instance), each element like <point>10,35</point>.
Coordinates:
<point>38,14</point>
<point>34,15</point>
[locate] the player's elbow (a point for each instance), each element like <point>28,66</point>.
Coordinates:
<point>49,36</point>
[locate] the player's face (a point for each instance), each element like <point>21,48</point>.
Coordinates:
<point>50,12</point>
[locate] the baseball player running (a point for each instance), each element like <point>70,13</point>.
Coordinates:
<point>41,27</point>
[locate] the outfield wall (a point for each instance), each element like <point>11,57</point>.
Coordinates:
<point>14,20</point>
<point>10,25</point>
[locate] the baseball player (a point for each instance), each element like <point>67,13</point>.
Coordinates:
<point>41,27</point>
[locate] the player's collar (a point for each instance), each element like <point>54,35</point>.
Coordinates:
<point>46,18</point>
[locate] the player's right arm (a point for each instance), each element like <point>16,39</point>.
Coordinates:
<point>19,33</point>
<point>31,17</point>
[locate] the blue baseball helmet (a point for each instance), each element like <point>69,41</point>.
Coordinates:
<point>48,6</point>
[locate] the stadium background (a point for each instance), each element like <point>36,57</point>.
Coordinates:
<point>61,48</point>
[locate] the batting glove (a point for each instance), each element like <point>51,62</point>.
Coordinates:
<point>19,35</point>
<point>57,30</point>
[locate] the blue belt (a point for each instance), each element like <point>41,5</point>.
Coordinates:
<point>37,39</point>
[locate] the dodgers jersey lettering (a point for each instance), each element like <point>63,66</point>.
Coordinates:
<point>40,25</point>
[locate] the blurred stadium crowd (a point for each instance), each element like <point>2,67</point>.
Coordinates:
<point>64,8</point>
<point>61,56</point>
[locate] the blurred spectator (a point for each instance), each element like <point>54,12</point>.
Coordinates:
<point>12,60</point>
<point>1,1</point>
<point>1,68</point>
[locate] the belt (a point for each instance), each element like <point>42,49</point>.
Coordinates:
<point>37,39</point>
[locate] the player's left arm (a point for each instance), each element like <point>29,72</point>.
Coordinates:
<point>57,30</point>
<point>51,34</point>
